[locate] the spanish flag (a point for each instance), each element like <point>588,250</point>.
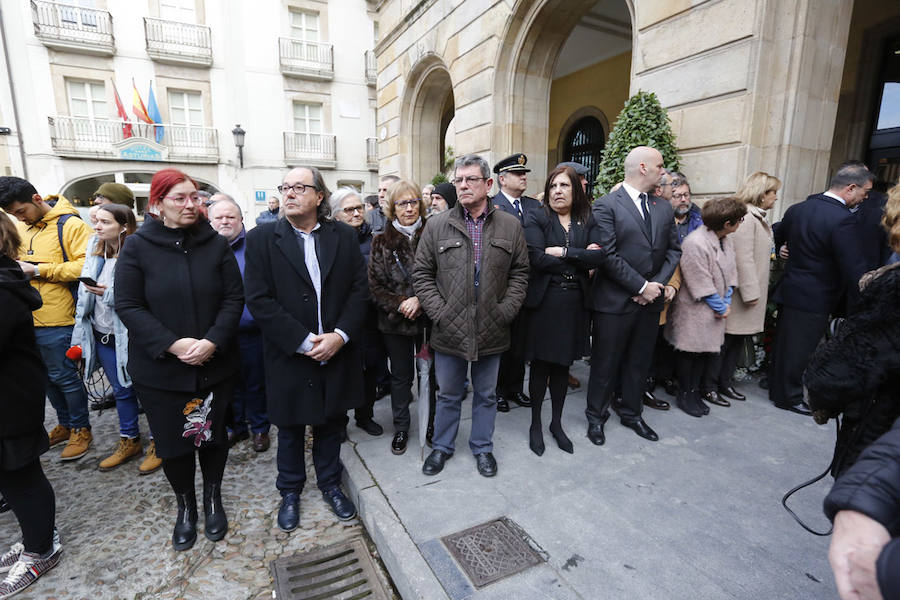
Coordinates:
<point>137,105</point>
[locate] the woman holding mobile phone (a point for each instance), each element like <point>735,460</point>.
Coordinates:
<point>102,336</point>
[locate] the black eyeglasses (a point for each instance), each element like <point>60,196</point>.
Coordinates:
<point>299,188</point>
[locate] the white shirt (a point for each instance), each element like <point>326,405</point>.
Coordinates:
<point>512,201</point>
<point>831,194</point>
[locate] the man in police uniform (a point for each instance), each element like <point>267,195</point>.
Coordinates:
<point>513,179</point>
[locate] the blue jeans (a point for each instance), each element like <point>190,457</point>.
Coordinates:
<point>250,392</point>
<point>451,378</point>
<point>64,386</point>
<point>126,399</point>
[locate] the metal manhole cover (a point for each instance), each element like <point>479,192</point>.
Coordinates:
<point>491,551</point>
<point>340,572</point>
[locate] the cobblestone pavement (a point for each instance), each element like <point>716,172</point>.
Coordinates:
<point>116,528</point>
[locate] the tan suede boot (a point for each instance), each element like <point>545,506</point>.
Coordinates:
<point>79,442</point>
<point>58,435</point>
<point>151,461</point>
<point>127,449</point>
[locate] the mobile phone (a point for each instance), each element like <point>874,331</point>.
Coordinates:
<point>87,281</point>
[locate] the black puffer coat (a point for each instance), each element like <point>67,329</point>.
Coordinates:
<point>390,279</point>
<point>872,487</point>
<point>857,373</point>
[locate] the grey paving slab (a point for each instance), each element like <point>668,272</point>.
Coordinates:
<point>695,515</point>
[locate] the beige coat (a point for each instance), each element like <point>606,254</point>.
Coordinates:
<point>753,253</point>
<point>706,268</point>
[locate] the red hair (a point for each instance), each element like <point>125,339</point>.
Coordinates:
<point>162,182</point>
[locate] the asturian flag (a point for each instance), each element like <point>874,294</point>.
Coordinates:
<point>153,113</point>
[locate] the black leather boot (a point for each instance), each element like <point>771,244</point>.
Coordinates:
<point>185,533</point>
<point>214,519</point>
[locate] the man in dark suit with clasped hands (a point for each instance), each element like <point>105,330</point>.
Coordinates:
<point>639,237</point>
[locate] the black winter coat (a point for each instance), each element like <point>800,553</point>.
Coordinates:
<point>176,283</point>
<point>22,371</point>
<point>872,487</point>
<point>390,283</point>
<point>282,300</point>
<point>857,372</point>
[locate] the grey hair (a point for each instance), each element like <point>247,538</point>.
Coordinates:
<point>338,197</point>
<point>467,160</point>
<point>679,179</point>
<point>226,198</point>
<point>851,174</point>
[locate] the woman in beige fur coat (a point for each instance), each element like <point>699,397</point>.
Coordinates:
<point>753,246</point>
<point>696,324</point>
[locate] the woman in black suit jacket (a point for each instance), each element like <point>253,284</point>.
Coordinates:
<point>178,291</point>
<point>562,248</point>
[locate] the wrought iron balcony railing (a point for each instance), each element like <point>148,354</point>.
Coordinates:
<point>372,154</point>
<point>308,60</point>
<point>109,139</point>
<point>179,43</point>
<point>371,68</point>
<point>309,149</point>
<point>74,28</point>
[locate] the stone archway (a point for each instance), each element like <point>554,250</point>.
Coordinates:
<point>427,109</point>
<point>532,42</point>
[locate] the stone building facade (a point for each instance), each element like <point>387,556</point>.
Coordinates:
<point>792,88</point>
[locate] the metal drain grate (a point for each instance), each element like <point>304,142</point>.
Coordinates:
<point>340,572</point>
<point>491,551</point>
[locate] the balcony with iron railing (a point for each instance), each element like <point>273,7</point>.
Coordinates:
<point>372,154</point>
<point>309,149</point>
<point>178,43</point>
<point>73,28</point>
<point>110,139</point>
<point>371,68</point>
<point>307,60</point>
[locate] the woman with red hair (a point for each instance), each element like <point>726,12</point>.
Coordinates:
<point>178,291</point>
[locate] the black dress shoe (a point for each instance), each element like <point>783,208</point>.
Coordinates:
<point>714,398</point>
<point>342,507</point>
<point>562,440</point>
<point>289,511</point>
<point>398,444</point>
<point>536,441</point>
<point>800,409</point>
<point>237,436</point>
<point>596,435</point>
<point>487,466</point>
<point>261,441</point>
<point>652,401</point>
<point>642,429</point>
<point>370,427</point>
<point>689,405</point>
<point>502,404</point>
<point>185,533</point>
<point>671,386</point>
<point>732,393</point>
<point>521,399</point>
<point>215,522</point>
<point>434,464</point>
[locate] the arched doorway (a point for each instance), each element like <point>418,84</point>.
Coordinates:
<point>427,110</point>
<point>550,44</point>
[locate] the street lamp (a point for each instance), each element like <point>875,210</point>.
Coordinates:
<point>238,134</point>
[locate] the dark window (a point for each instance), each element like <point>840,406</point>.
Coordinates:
<point>584,143</point>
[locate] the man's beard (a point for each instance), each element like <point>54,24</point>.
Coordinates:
<point>682,210</point>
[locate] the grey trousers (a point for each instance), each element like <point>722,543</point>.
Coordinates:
<point>451,379</point>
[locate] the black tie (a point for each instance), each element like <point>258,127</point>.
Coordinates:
<point>519,210</point>
<point>646,210</point>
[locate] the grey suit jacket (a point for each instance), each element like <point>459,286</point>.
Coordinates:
<point>633,256</point>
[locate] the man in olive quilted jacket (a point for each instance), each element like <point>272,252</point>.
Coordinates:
<point>470,276</point>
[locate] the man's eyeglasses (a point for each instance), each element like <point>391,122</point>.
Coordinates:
<point>359,208</point>
<point>299,188</point>
<point>182,200</point>
<point>405,203</point>
<point>470,180</point>
<point>682,196</point>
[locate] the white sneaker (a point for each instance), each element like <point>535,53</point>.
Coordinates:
<point>27,570</point>
<point>11,557</point>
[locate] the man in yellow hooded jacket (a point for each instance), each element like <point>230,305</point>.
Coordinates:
<point>54,241</point>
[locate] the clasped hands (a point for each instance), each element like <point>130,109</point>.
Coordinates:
<point>651,292</point>
<point>192,351</point>
<point>325,345</point>
<point>410,308</point>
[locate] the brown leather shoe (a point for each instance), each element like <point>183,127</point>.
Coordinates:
<point>573,382</point>
<point>58,435</point>
<point>261,441</point>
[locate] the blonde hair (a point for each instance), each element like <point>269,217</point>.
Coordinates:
<point>756,187</point>
<point>400,189</point>
<point>891,218</point>
<point>9,237</point>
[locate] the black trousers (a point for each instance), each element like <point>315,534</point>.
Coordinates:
<point>663,366</point>
<point>720,370</point>
<point>180,469</point>
<point>370,382</point>
<point>326,454</point>
<point>511,376</point>
<point>32,501</point>
<point>796,337</point>
<point>621,351</point>
<point>691,369</point>
<point>401,351</point>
